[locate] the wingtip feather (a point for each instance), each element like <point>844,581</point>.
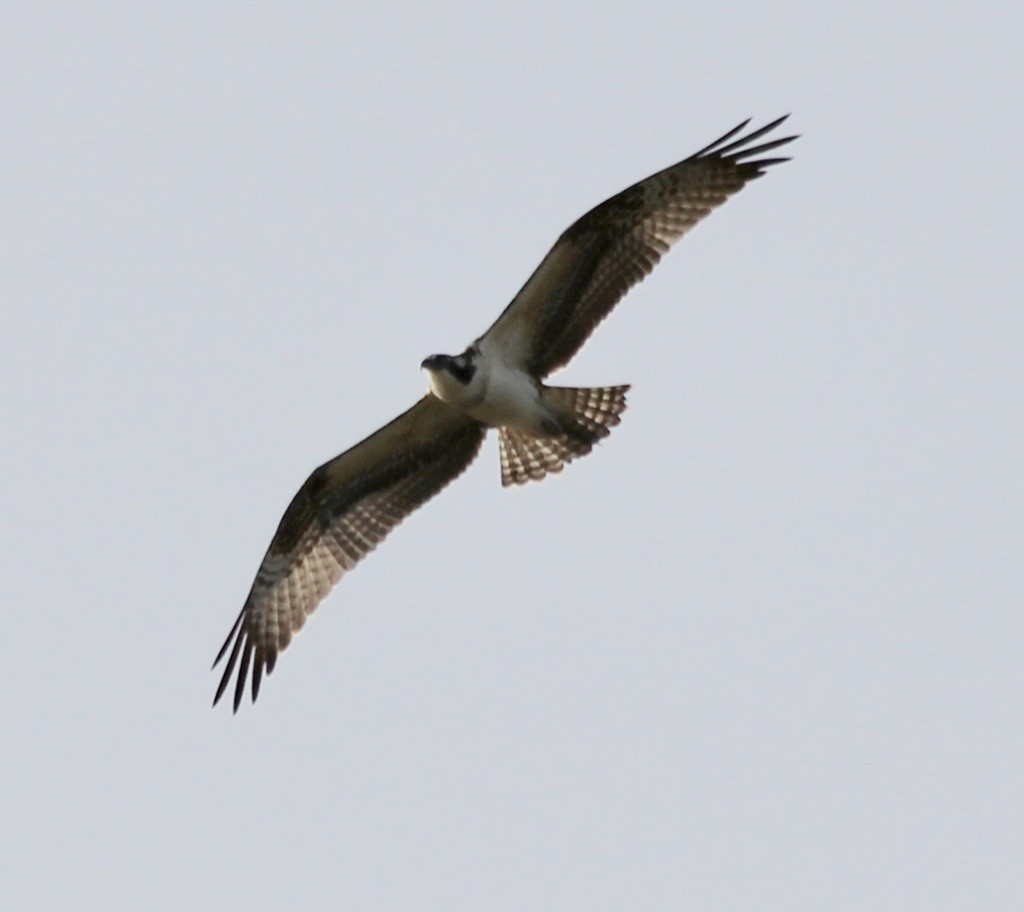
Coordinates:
<point>221,687</point>
<point>257,674</point>
<point>710,147</point>
<point>743,154</point>
<point>228,639</point>
<point>742,144</point>
<point>243,674</point>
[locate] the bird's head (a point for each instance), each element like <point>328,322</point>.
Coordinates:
<point>451,375</point>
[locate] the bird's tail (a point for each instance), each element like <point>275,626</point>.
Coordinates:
<point>584,416</point>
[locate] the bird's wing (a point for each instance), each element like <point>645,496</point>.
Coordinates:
<point>341,513</point>
<point>611,248</point>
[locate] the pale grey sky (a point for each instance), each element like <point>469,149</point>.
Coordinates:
<point>762,650</point>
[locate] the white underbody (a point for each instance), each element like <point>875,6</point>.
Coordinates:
<point>498,395</point>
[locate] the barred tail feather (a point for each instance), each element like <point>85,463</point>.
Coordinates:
<point>585,416</point>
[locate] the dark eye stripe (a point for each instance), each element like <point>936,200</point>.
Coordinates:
<point>463,370</point>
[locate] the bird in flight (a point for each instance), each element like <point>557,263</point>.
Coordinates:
<point>348,505</point>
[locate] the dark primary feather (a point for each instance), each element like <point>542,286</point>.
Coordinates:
<point>342,512</point>
<point>611,248</point>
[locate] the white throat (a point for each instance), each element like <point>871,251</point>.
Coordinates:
<point>448,389</point>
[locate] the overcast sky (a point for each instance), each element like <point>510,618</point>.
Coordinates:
<point>762,650</point>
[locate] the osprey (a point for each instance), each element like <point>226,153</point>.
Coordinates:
<point>348,505</point>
